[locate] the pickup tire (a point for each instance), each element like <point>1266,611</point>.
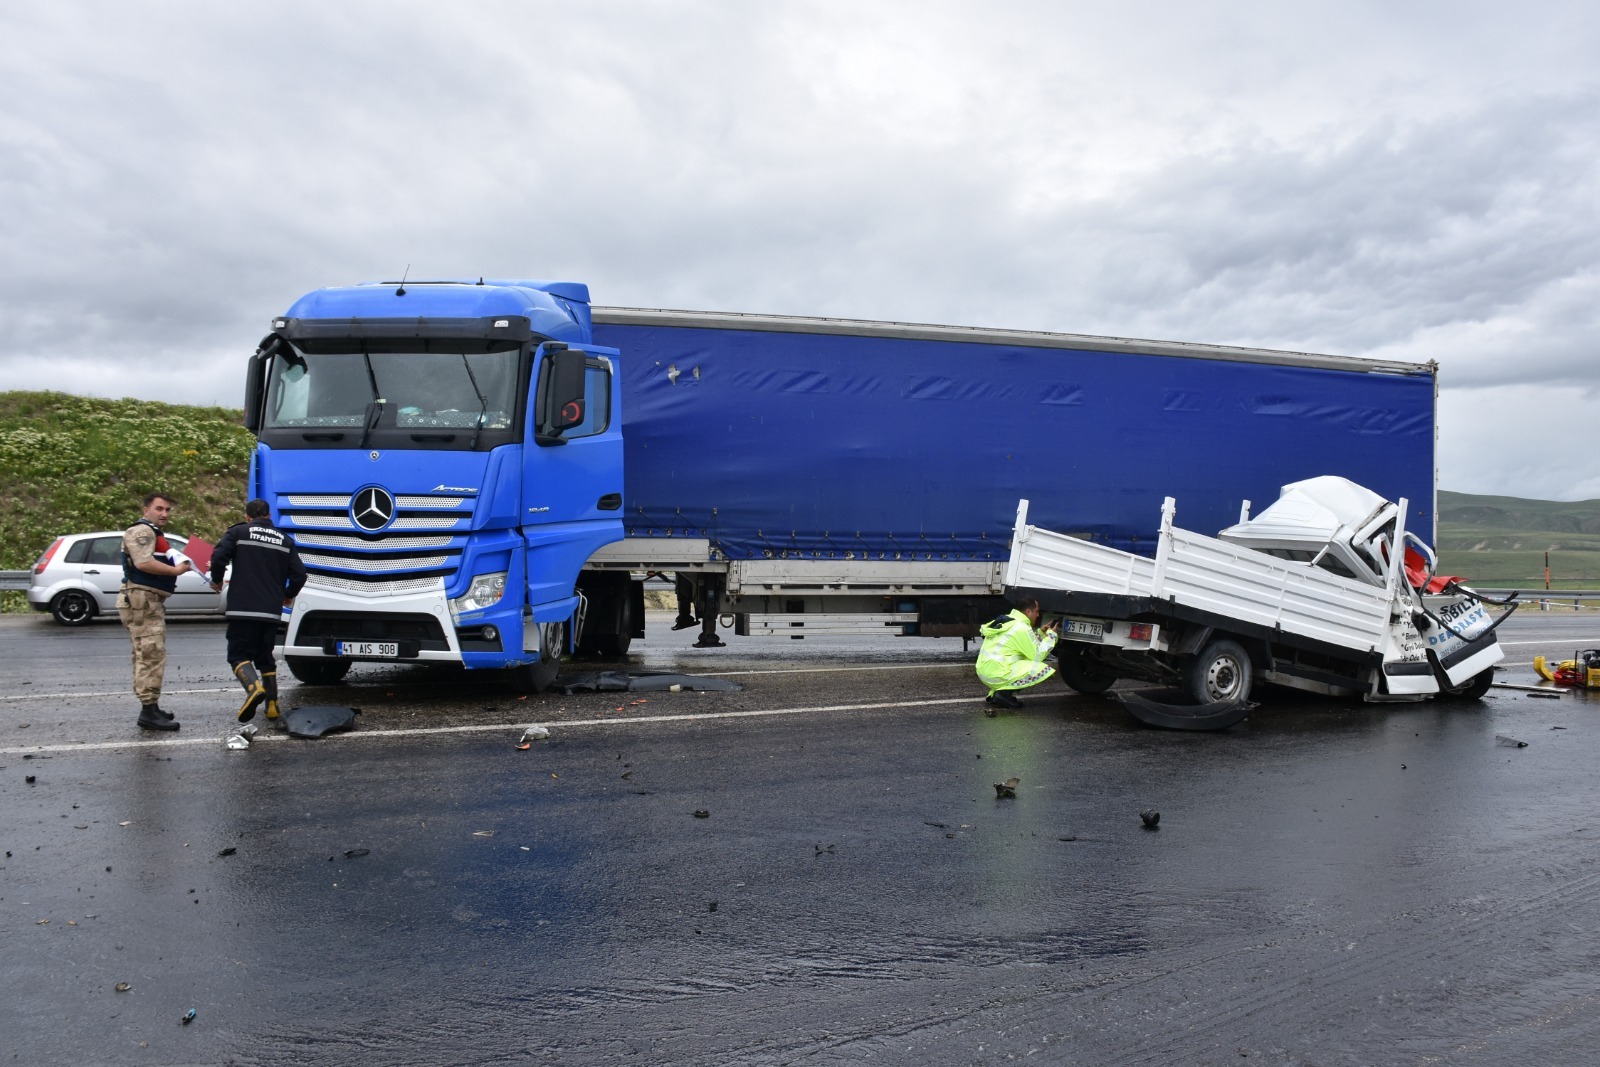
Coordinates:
<point>1081,672</point>
<point>73,607</point>
<point>318,671</point>
<point>1473,688</point>
<point>1222,671</point>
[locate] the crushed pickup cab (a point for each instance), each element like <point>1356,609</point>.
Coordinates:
<point>1324,591</point>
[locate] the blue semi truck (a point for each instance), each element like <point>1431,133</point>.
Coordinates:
<point>483,472</point>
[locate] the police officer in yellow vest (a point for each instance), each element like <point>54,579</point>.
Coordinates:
<point>1013,652</point>
<point>148,578</point>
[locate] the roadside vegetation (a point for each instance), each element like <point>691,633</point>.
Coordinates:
<point>69,464</point>
<point>1500,542</point>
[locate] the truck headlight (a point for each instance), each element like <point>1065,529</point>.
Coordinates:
<point>486,591</point>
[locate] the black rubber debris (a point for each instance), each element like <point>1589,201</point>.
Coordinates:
<point>1171,709</point>
<point>622,681</point>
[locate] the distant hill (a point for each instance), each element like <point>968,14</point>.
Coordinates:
<point>1501,541</point>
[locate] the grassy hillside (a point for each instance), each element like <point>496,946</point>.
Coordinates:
<point>1501,541</point>
<point>70,464</point>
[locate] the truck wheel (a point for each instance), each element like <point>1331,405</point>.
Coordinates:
<point>1220,672</point>
<point>1473,688</point>
<point>73,608</point>
<point>537,677</point>
<point>1083,673</point>
<point>318,671</point>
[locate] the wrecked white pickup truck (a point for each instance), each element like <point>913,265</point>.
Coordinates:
<point>1324,591</point>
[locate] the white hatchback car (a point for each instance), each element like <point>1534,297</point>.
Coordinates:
<point>79,576</point>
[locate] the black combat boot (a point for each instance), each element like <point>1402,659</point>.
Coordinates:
<point>151,717</point>
<point>255,693</point>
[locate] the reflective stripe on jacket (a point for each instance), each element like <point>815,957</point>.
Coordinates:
<point>1013,652</point>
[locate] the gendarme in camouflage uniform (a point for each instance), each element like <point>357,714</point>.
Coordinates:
<point>148,578</point>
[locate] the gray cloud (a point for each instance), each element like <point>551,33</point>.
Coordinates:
<point>1411,183</point>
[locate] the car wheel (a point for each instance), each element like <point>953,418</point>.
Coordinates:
<point>73,608</point>
<point>318,671</point>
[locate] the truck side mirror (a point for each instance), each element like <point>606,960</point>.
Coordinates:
<point>254,380</point>
<point>565,375</point>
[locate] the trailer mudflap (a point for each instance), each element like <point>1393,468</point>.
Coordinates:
<point>1165,708</point>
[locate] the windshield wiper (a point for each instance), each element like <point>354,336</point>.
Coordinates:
<point>483,403</point>
<point>374,414</point>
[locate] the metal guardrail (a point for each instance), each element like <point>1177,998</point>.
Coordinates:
<point>14,580</point>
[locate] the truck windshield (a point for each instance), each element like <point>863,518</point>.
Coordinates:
<point>417,393</point>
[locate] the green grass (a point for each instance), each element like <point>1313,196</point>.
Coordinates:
<point>1501,541</point>
<point>69,464</point>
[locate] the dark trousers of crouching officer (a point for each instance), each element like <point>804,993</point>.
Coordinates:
<point>148,578</point>
<point>267,575</point>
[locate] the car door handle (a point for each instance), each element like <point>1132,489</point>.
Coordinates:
<point>91,571</point>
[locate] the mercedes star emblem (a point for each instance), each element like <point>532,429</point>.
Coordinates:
<point>372,508</point>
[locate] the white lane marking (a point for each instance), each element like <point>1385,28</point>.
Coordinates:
<point>118,693</point>
<point>555,726</point>
<point>695,674</point>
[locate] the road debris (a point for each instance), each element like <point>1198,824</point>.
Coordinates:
<point>622,681</point>
<point>530,735</point>
<point>188,1016</point>
<point>702,813</point>
<point>483,833</point>
<point>310,723</point>
<point>1546,696</point>
<point>230,850</point>
<point>1151,818</point>
<point>122,987</point>
<point>352,853</point>
<point>236,742</point>
<point>1509,742</point>
<point>1007,788</point>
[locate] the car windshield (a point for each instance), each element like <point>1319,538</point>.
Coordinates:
<point>421,386</point>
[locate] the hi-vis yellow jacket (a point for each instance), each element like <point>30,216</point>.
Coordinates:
<point>1013,653</point>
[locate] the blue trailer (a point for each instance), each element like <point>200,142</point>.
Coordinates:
<point>483,472</point>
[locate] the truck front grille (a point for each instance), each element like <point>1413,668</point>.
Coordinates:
<point>339,556</point>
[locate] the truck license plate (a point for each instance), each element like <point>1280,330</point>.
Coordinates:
<point>368,648</point>
<point>1085,628</point>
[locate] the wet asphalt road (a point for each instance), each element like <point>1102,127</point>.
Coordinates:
<point>1330,883</point>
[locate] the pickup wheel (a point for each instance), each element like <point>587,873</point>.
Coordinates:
<point>1082,673</point>
<point>1220,672</point>
<point>1473,688</point>
<point>73,607</point>
<point>537,677</point>
<point>318,671</point>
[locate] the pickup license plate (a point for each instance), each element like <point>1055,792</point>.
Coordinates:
<point>1090,628</point>
<point>388,649</point>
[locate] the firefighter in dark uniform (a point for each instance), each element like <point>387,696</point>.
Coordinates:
<point>267,575</point>
<point>148,577</point>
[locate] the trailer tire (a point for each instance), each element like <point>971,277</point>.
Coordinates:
<point>537,677</point>
<point>1082,673</point>
<point>1473,688</point>
<point>318,671</point>
<point>1221,671</point>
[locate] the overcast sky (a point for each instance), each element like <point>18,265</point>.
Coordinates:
<point>1416,181</point>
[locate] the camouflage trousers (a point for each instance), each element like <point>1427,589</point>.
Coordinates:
<point>145,617</point>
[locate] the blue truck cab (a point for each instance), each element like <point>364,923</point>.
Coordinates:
<point>447,455</point>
